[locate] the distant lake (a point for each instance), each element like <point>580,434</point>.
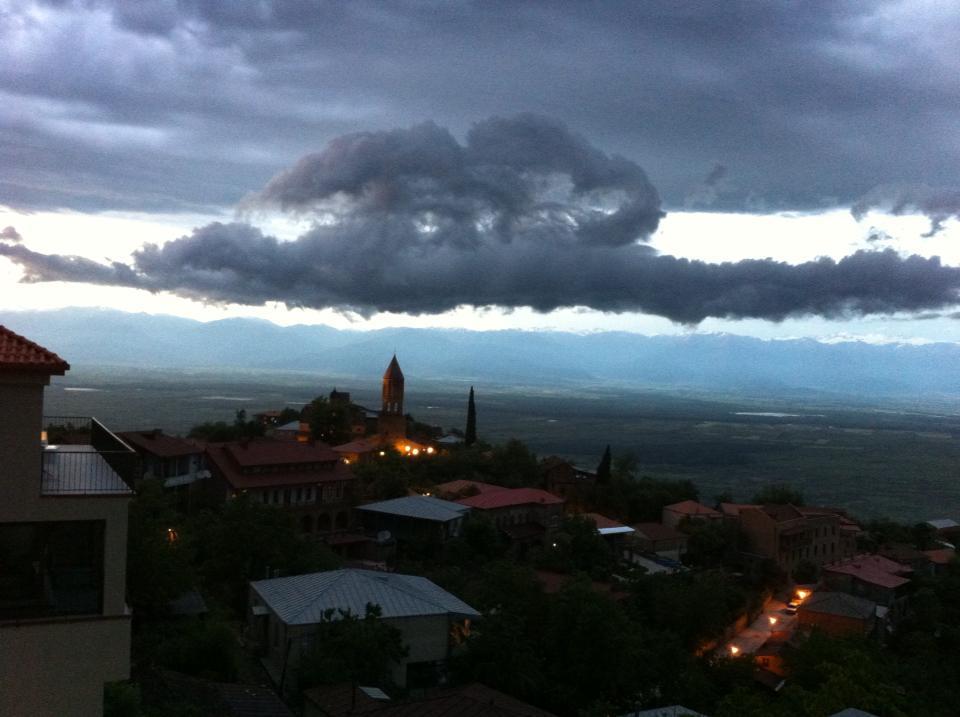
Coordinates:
<point>776,414</point>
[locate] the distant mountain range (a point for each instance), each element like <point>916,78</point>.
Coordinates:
<point>712,362</point>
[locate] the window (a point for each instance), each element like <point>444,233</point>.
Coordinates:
<point>50,569</point>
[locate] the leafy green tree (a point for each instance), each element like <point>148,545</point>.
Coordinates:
<point>479,544</point>
<point>710,543</point>
<point>349,648</point>
<point>387,476</point>
<point>221,432</point>
<point>778,495</point>
<point>244,540</point>
<point>158,560</point>
<point>329,422</point>
<point>829,674</point>
<point>470,434</point>
<point>594,652</point>
<point>578,547</point>
<point>287,415</point>
<point>604,468</point>
<point>514,465</point>
<point>208,649</point>
<point>506,650</point>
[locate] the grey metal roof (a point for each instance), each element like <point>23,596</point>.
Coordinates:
<point>671,711</point>
<point>837,603</point>
<point>422,507</point>
<point>303,599</point>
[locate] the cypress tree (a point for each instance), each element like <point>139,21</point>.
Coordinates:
<point>603,470</point>
<point>470,435</point>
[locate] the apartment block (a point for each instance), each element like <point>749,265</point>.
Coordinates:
<point>65,487</point>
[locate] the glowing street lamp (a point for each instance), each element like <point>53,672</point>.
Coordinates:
<point>773,620</point>
<point>734,650</point>
<point>803,594</point>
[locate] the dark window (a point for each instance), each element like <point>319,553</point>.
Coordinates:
<point>50,569</point>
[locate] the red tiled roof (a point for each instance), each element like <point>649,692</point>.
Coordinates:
<point>21,354</point>
<point>782,513</point>
<point>733,509</point>
<point>691,507</point>
<point>222,462</point>
<point>359,445</point>
<point>874,569</point>
<point>657,531</point>
<point>940,556</point>
<point>603,522</point>
<point>159,444</point>
<point>455,487</point>
<point>510,497</point>
<point>279,453</point>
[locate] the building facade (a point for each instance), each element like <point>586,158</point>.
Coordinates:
<point>64,621</point>
<point>311,481</point>
<point>286,615</point>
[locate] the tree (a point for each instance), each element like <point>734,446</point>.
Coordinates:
<point>470,434</point>
<point>158,563</point>
<point>349,648</point>
<point>603,470</point>
<point>578,547</point>
<point>243,540</point>
<point>514,465</point>
<point>778,494</point>
<point>220,431</point>
<point>208,649</point>
<point>329,422</point>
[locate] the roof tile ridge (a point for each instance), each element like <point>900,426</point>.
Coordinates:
<point>33,344</point>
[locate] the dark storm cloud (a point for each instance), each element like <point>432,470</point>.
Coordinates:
<point>517,175</point>
<point>525,213</point>
<point>190,104</point>
<point>938,205</point>
<point>352,269</point>
<point>707,192</point>
<point>10,234</point>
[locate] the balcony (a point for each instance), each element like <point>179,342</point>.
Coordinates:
<point>82,457</point>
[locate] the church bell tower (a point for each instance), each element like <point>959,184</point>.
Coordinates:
<point>392,422</point>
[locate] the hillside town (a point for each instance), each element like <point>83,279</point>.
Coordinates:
<point>339,559</point>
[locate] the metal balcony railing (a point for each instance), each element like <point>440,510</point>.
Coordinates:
<point>83,457</point>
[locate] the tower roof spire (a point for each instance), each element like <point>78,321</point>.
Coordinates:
<point>393,370</point>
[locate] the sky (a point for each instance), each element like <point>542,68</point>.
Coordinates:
<point>774,169</point>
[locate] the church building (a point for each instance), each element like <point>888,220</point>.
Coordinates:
<point>392,423</point>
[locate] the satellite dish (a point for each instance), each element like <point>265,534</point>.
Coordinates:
<point>384,536</point>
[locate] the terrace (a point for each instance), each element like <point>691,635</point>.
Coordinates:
<point>83,457</point>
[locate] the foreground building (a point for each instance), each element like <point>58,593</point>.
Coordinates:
<point>285,615</point>
<point>64,622</point>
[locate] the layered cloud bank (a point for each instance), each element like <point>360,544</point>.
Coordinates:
<point>525,213</point>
